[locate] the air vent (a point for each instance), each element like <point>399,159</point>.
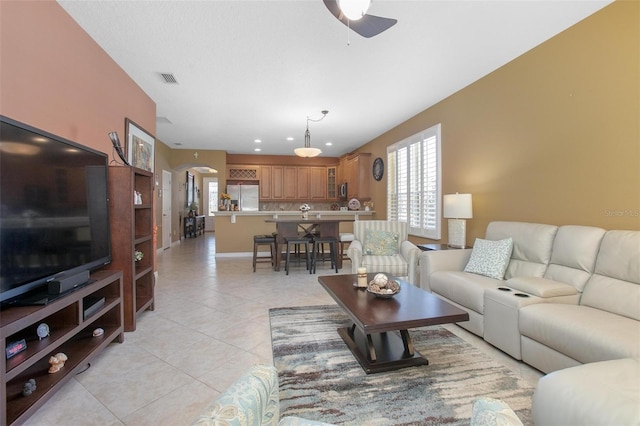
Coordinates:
<point>169,78</point>
<point>163,120</point>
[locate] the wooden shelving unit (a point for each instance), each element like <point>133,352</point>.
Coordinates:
<point>70,333</point>
<point>131,230</point>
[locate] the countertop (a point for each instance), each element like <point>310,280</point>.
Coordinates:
<point>315,214</point>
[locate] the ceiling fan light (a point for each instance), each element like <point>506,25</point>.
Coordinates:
<point>354,9</point>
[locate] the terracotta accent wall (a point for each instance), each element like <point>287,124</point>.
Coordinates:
<point>551,137</point>
<point>53,76</point>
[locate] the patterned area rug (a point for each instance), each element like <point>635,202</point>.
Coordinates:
<point>321,380</point>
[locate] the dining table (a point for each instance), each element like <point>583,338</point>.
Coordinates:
<point>294,227</point>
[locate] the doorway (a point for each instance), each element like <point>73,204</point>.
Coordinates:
<point>210,201</point>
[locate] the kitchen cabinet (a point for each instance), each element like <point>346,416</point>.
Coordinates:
<point>266,182</point>
<point>332,176</point>
<point>357,173</point>
<point>300,183</point>
<point>290,183</point>
<point>318,183</point>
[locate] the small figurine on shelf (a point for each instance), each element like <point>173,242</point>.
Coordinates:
<point>57,362</point>
<point>138,255</point>
<point>29,387</point>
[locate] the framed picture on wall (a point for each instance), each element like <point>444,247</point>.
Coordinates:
<point>140,146</point>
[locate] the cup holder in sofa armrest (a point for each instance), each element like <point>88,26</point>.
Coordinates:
<point>520,294</point>
<point>504,288</point>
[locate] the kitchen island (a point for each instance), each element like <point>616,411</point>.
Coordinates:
<point>235,229</point>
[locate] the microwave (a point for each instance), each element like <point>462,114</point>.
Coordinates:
<point>342,191</point>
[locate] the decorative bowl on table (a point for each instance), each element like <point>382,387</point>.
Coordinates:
<point>381,286</point>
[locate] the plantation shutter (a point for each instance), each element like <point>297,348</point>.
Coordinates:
<point>414,183</point>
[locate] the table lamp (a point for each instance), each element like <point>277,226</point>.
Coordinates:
<point>457,208</point>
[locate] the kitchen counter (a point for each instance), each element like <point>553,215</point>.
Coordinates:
<point>235,229</point>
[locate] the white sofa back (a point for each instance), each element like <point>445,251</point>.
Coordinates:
<point>532,243</point>
<point>574,253</point>
<point>615,284</point>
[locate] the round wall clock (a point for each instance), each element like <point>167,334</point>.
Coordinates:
<point>378,168</point>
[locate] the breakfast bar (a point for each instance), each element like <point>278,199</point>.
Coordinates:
<point>292,227</point>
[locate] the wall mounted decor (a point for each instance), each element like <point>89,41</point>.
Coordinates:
<point>140,146</point>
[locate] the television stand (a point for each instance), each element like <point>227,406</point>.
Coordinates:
<point>42,297</point>
<point>69,332</point>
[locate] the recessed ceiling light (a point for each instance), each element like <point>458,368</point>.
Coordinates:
<point>257,149</point>
<point>289,138</point>
<point>257,140</point>
<point>329,144</point>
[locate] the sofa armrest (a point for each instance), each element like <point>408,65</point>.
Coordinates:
<point>541,287</point>
<point>441,260</point>
<point>255,395</point>
<point>354,252</point>
<point>411,253</point>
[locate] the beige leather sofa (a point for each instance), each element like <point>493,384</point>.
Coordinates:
<point>570,296</point>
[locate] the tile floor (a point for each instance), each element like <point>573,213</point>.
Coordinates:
<point>209,325</point>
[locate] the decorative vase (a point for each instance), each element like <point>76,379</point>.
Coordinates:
<point>305,215</point>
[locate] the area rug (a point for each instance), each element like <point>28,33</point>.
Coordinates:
<point>321,380</point>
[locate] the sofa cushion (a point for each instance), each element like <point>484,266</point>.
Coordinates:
<point>532,244</point>
<point>378,242</point>
<point>573,256</point>
<point>600,393</point>
<point>490,258</point>
<point>580,332</point>
<point>615,284</point>
<point>463,288</point>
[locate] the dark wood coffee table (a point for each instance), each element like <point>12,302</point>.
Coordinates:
<point>379,336</point>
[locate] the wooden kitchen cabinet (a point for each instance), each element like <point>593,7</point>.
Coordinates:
<point>290,183</point>
<point>318,183</point>
<point>299,183</point>
<point>266,182</point>
<point>357,173</point>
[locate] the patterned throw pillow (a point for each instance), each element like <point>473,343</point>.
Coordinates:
<point>490,258</point>
<point>380,243</point>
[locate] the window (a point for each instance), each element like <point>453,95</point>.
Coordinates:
<point>211,184</point>
<point>413,183</point>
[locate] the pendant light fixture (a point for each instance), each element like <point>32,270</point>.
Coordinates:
<point>307,151</point>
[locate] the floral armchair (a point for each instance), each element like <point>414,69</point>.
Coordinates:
<point>383,246</point>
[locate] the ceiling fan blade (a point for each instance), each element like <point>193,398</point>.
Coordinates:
<point>368,26</point>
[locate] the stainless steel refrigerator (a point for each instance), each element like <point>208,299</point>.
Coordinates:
<point>247,197</point>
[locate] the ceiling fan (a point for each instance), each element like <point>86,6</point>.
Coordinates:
<point>363,24</point>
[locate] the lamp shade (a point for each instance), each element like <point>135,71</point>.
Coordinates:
<point>458,206</point>
<point>307,152</point>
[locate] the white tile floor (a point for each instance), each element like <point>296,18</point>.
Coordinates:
<point>209,325</point>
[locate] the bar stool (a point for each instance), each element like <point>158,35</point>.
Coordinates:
<point>345,239</point>
<point>319,242</point>
<point>259,240</point>
<point>296,243</point>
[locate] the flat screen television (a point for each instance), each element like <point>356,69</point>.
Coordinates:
<point>54,210</point>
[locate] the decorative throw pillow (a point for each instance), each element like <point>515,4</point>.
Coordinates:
<point>490,258</point>
<point>380,243</point>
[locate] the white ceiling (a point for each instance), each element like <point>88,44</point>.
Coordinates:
<point>251,70</point>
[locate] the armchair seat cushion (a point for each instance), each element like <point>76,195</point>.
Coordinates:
<point>394,265</point>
